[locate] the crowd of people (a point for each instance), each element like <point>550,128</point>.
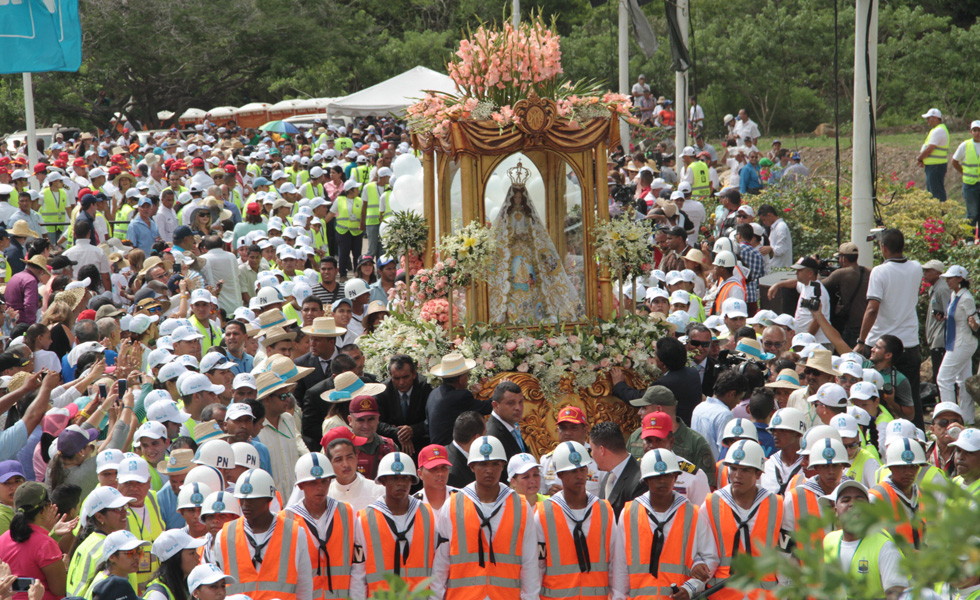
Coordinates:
<point>187,411</point>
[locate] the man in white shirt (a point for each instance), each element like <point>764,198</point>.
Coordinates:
<point>780,248</point>
<point>893,292</point>
<point>806,283</point>
<point>640,87</point>
<point>696,114</point>
<point>84,253</point>
<point>222,265</point>
<point>745,128</point>
<point>166,217</point>
<point>971,181</point>
<point>348,486</point>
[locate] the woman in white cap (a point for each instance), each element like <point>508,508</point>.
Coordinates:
<point>178,554</point>
<point>524,475</point>
<point>103,512</point>
<point>957,363</point>
<point>122,553</point>
<point>207,582</point>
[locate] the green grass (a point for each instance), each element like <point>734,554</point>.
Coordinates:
<point>904,140</point>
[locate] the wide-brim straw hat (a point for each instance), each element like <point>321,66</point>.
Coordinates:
<point>694,255</point>
<point>70,297</point>
<point>271,318</point>
<point>38,260</point>
<point>325,327</point>
<point>22,229</point>
<point>786,379</point>
<point>822,360</point>
<point>286,369</point>
<point>277,334</point>
<point>349,386</point>
<point>451,365</point>
<point>374,308</point>
<point>268,382</point>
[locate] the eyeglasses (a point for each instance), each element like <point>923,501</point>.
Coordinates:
<point>283,397</point>
<point>135,552</point>
<point>154,309</point>
<point>853,445</point>
<point>808,372</point>
<point>774,345</point>
<point>944,423</point>
<point>698,344</point>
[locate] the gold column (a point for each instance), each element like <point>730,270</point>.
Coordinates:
<point>602,208</point>
<point>429,204</point>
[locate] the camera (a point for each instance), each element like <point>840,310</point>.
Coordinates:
<point>733,358</point>
<point>623,194</point>
<point>875,234</point>
<point>827,266</point>
<point>812,304</point>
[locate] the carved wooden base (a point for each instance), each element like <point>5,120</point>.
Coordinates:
<point>539,426</point>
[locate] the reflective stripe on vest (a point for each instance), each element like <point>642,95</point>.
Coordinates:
<point>562,577</point>
<point>374,204</point>
<point>209,338</point>
<point>276,577</point>
<point>763,534</point>
<point>380,544</point>
<point>346,221</point>
<point>939,153</point>
<point>159,586</point>
<point>676,558</point>
<point>864,564</point>
<point>723,295</point>
<point>501,580</point>
<point>702,180</point>
<point>330,578</point>
<point>971,164</point>
<point>885,492</point>
<point>804,510</point>
<point>315,189</point>
<point>53,209</point>
<point>82,570</point>
<point>148,532</point>
<point>721,474</point>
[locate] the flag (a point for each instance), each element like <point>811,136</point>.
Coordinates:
<point>642,32</point>
<point>678,51</point>
<point>40,35</point>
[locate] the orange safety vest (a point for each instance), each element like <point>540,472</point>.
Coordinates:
<point>562,576</point>
<point>721,474</point>
<point>277,576</point>
<point>913,535</point>
<point>723,295</point>
<point>499,579</point>
<point>805,506</point>
<point>333,580</point>
<point>381,549</point>
<point>764,534</point>
<point>676,558</point>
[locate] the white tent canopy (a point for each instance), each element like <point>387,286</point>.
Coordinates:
<point>393,95</point>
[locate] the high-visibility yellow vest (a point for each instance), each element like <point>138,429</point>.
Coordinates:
<point>254,169</point>
<point>212,335</point>
<point>53,209</point>
<point>349,220</point>
<point>362,174</point>
<point>236,199</point>
<point>864,564</point>
<point>971,164</point>
<point>938,156</point>
<point>374,203</point>
<point>302,176</point>
<point>701,186</point>
<point>320,239</point>
<point>314,190</point>
<point>147,531</point>
<point>124,214</point>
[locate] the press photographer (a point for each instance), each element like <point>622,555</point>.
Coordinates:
<point>813,296</point>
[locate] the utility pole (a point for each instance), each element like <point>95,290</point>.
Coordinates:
<point>865,77</point>
<point>516,10</point>
<point>624,69</point>
<point>680,85</point>
<point>31,126</point>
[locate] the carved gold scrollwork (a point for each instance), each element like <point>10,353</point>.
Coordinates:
<point>537,115</point>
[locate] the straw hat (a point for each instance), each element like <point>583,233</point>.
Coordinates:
<point>271,318</point>
<point>115,257</point>
<point>787,379</point>
<point>268,382</point>
<point>277,334</point>
<point>451,365</point>
<point>127,175</point>
<point>286,369</point>
<point>151,262</point>
<point>822,360</point>
<point>178,462</point>
<point>22,229</point>
<point>71,297</point>
<point>325,327</point>
<point>38,260</point>
<point>374,308</point>
<point>348,385</point>
<point>694,255</point>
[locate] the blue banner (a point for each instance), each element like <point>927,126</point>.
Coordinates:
<point>40,35</point>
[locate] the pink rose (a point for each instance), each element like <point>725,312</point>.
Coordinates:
<point>600,347</point>
<point>488,365</point>
<point>552,342</point>
<point>520,340</point>
<point>604,363</point>
<point>573,339</point>
<point>511,346</point>
<point>486,346</point>
<point>522,367</point>
<point>538,343</point>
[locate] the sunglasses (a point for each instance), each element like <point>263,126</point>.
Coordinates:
<point>132,553</point>
<point>698,344</point>
<point>944,423</point>
<point>776,345</point>
<point>808,372</point>
<point>853,445</point>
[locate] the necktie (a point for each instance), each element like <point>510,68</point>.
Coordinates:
<point>517,436</point>
<point>658,542</point>
<point>582,544</point>
<point>609,485</point>
<point>701,372</point>
<point>951,323</point>
<point>404,405</point>
<point>258,548</point>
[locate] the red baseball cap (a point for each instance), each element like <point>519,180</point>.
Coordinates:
<point>341,433</point>
<point>115,170</point>
<point>572,414</point>
<point>198,162</point>
<point>434,455</point>
<point>253,208</point>
<point>60,164</point>
<point>78,162</point>
<point>658,425</point>
<point>87,314</point>
<point>230,169</point>
<point>63,155</point>
<point>40,167</point>
<point>364,405</point>
<point>4,161</point>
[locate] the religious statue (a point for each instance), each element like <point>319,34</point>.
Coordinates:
<point>529,284</point>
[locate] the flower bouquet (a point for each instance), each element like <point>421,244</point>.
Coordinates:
<point>469,254</point>
<point>406,233</point>
<point>622,244</point>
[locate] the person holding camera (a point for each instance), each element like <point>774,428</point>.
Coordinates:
<point>813,297</point>
<point>849,286</point>
<point>957,363</point>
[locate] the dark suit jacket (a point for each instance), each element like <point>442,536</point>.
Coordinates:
<point>444,405</point>
<point>315,411</point>
<point>390,407</point>
<point>460,474</point>
<point>318,375</point>
<point>686,385</point>
<point>710,375</point>
<point>499,431</point>
<point>627,487</point>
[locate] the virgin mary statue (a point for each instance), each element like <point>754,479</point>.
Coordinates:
<point>529,283</point>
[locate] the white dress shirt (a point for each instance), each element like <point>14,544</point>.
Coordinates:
<point>222,264</point>
<point>84,253</point>
<point>358,494</point>
<point>781,243</point>
<point>166,220</point>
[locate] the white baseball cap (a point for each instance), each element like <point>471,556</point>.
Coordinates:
<point>102,498</point>
<point>215,360</point>
<point>942,407</point>
<point>164,411</point>
<point>172,541</point>
<point>956,271</point>
<point>244,380</point>
<point>171,371</point>
<point>734,307</point>
<point>133,469</point>
<point>186,334</point>
<point>846,425</point>
<point>521,463</point>
<point>158,357</point>
<point>969,440</point>
<point>108,459</point>
<point>864,390</point>
<point>120,541</point>
<point>206,574</point>
<point>933,112</point>
<point>198,382</point>
<point>151,429</point>
<point>237,410</point>
<point>851,368</point>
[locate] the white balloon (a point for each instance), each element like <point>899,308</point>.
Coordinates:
<point>495,194</point>
<point>406,194</point>
<point>406,164</point>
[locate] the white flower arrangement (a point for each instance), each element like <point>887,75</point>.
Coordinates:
<point>405,232</point>
<point>622,244</point>
<point>469,253</point>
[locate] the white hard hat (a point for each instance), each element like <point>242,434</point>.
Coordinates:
<point>313,466</point>
<point>246,455</point>
<point>354,288</point>
<point>658,462</point>
<point>485,449</point>
<point>269,295</point>
<point>192,495</point>
<point>216,453</point>
<point>255,483</point>
<point>743,453</point>
<point>739,429</point>
<point>207,475</point>
<point>723,245</point>
<point>221,502</point>
<point>724,259</point>
<point>569,456</point>
<point>790,419</point>
<point>396,463</point>
<point>904,452</point>
<point>815,434</point>
<point>828,451</point>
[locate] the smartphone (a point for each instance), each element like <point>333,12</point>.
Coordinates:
<point>22,584</point>
<point>122,387</point>
<point>103,391</point>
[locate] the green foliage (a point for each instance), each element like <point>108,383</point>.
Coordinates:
<point>399,590</point>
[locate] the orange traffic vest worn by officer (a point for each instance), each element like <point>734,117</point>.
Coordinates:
<point>723,293</point>
<point>905,513</point>
<point>276,576</point>
<point>331,570</point>
<point>383,552</point>
<point>734,536</point>
<point>481,567</point>
<point>650,581</point>
<point>806,506</point>
<point>576,570</point>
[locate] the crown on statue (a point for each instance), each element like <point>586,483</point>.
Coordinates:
<point>518,175</point>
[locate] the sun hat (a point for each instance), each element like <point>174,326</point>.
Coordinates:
<point>451,365</point>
